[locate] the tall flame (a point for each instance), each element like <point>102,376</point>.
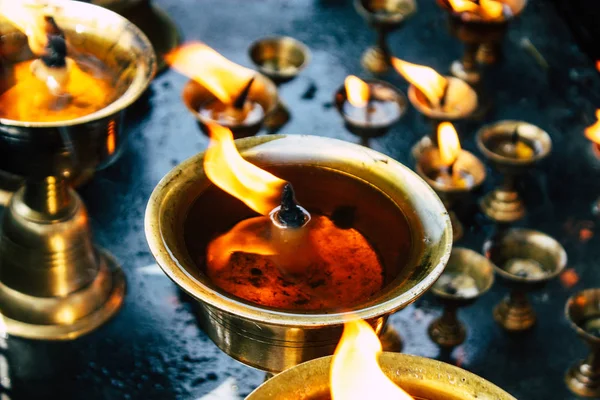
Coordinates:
<point>223,78</point>
<point>355,372</point>
<point>463,6</point>
<point>488,9</point>
<point>449,143</point>
<point>426,79</point>
<point>28,17</point>
<point>225,167</point>
<point>592,132</point>
<point>357,90</point>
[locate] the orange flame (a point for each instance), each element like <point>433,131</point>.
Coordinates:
<point>429,82</point>
<point>592,132</point>
<point>449,143</point>
<point>28,17</point>
<point>225,167</point>
<point>223,78</point>
<point>598,65</point>
<point>357,90</point>
<point>488,9</point>
<point>463,6</point>
<point>355,372</point>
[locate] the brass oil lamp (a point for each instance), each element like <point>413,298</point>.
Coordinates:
<point>453,173</point>
<point>525,260</point>
<point>480,26</point>
<point>156,24</point>
<point>54,282</point>
<point>223,92</point>
<point>281,59</point>
<point>384,16</point>
<point>513,147</point>
<point>369,108</point>
<point>258,317</point>
<point>438,98</point>
<point>467,277</point>
<point>359,370</point>
<point>582,311</point>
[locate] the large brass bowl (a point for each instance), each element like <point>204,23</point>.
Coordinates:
<point>271,339</point>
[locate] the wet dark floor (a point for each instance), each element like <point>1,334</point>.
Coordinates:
<point>153,348</point>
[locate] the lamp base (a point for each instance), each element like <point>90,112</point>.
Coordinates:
<point>514,315</point>
<point>503,206</point>
<point>110,278</point>
<point>375,61</point>
<point>445,334</point>
<point>583,380</point>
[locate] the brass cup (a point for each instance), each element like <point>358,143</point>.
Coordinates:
<point>384,17</point>
<point>583,313</point>
<point>274,340</point>
<point>379,90</point>
<point>464,110</point>
<point>482,39</point>
<point>263,91</point>
<point>54,283</point>
<point>420,377</point>
<point>467,276</point>
<point>504,204</point>
<point>156,24</point>
<point>429,163</point>
<point>525,260</point>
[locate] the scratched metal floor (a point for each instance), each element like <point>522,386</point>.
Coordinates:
<point>153,348</point>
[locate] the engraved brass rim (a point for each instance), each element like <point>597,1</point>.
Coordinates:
<point>421,377</point>
<point>85,13</point>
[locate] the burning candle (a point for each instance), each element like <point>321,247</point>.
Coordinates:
<point>485,10</point>
<point>285,258</point>
<point>449,173</point>
<point>355,371</point>
<point>370,104</point>
<point>592,132</point>
<point>60,84</point>
<point>230,84</point>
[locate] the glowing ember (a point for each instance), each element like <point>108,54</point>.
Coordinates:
<point>488,10</point>
<point>355,371</point>
<point>221,77</point>
<point>357,91</point>
<point>429,82</point>
<point>592,132</point>
<point>448,143</point>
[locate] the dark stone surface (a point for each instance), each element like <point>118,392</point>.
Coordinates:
<point>153,348</point>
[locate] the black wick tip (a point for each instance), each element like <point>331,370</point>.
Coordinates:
<point>444,94</point>
<point>451,168</point>
<point>290,214</point>
<point>56,52</point>
<point>515,136</point>
<point>241,99</point>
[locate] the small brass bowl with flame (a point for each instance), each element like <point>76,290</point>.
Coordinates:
<point>525,260</point>
<point>513,148</point>
<point>328,176</point>
<point>420,377</point>
<point>583,313</point>
<point>459,93</point>
<point>263,91</point>
<point>54,283</point>
<point>467,277</point>
<point>481,37</point>
<point>384,16</point>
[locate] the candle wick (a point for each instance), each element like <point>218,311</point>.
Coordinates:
<point>239,102</point>
<point>451,168</point>
<point>444,94</point>
<point>515,135</point>
<point>290,214</point>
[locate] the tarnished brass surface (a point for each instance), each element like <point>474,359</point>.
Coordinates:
<point>447,330</point>
<point>281,58</point>
<point>504,204</point>
<point>370,130</point>
<point>583,313</point>
<point>384,17</point>
<point>540,259</point>
<point>428,162</point>
<point>53,283</point>
<point>263,91</point>
<point>274,340</point>
<point>421,377</point>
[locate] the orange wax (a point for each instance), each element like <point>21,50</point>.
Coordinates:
<point>30,100</point>
<point>344,272</point>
